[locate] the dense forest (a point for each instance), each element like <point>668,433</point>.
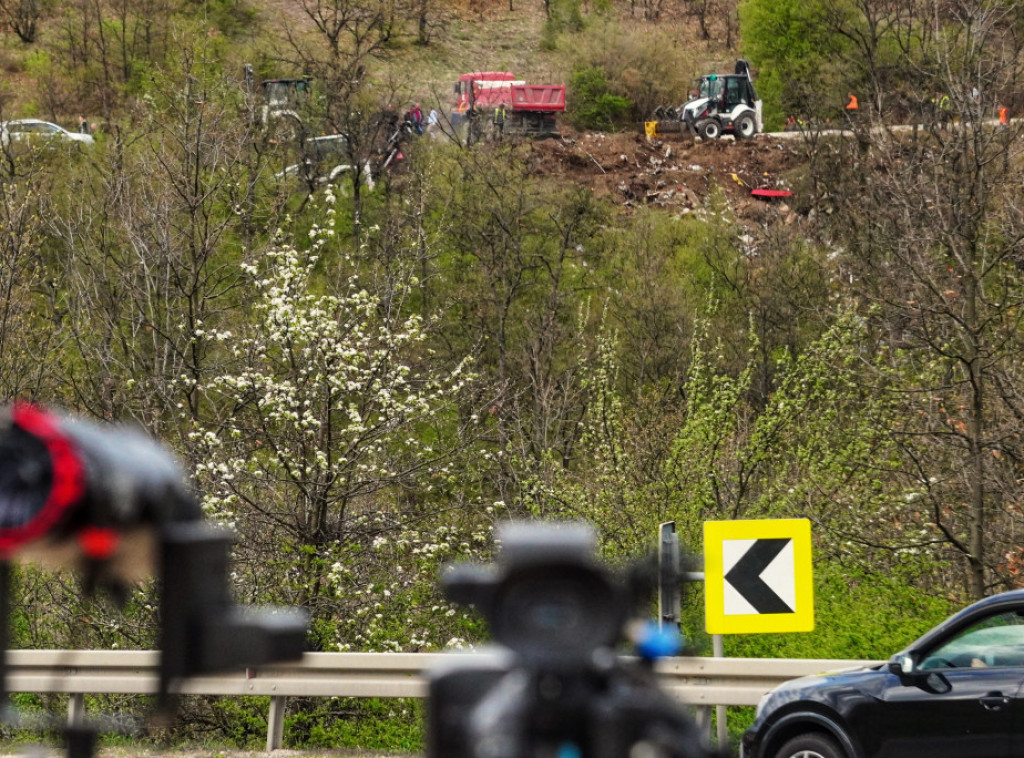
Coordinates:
<point>364,376</point>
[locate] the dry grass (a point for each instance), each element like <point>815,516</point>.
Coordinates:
<point>465,35</point>
<point>466,41</point>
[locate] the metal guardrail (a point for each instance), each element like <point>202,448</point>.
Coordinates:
<point>696,681</point>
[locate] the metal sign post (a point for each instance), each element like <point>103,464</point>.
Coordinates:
<point>668,566</point>
<point>669,612</point>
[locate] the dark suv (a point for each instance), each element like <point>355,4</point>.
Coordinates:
<point>954,693</point>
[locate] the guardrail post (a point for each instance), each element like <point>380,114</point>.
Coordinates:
<point>275,723</point>
<point>76,708</point>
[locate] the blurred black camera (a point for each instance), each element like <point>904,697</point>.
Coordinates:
<point>86,496</point>
<point>556,686</point>
<point>110,502</point>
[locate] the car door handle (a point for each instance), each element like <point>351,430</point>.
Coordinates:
<point>994,701</point>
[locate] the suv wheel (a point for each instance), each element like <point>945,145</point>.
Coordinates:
<point>813,745</point>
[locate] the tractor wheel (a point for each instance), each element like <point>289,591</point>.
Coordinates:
<point>709,129</point>
<point>745,126</point>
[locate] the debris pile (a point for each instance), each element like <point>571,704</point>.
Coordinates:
<point>674,171</point>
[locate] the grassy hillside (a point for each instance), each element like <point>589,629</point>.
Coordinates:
<point>99,60</point>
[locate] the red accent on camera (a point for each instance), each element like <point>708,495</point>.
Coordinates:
<point>68,485</point>
<point>98,543</point>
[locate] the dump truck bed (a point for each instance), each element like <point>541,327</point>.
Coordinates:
<point>538,97</point>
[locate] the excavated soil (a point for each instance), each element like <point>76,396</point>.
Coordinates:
<point>675,171</point>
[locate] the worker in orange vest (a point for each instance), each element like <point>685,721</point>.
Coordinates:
<point>1004,116</point>
<point>852,105</point>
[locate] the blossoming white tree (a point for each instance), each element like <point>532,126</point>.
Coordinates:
<point>328,445</point>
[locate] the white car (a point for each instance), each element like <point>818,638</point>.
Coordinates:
<point>33,129</point>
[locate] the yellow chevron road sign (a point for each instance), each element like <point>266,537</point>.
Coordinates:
<point>758,576</point>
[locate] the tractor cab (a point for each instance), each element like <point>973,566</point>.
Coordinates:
<point>724,103</point>
<point>285,106</point>
<point>279,94</point>
<point>726,91</point>
<point>709,87</point>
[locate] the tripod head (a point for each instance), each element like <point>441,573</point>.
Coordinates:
<point>555,684</point>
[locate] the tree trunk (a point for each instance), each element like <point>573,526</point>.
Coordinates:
<point>975,430</point>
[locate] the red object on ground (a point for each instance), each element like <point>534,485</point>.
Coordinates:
<point>770,193</point>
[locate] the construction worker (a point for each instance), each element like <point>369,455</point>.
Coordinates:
<point>416,117</point>
<point>1004,116</point>
<point>945,112</point>
<point>853,104</point>
<point>499,121</point>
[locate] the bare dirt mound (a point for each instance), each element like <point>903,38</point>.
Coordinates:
<point>673,171</point>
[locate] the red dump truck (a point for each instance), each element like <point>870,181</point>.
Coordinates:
<point>530,109</point>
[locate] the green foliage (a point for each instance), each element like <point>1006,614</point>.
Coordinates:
<point>593,106</point>
<point>630,72</point>
<point>243,720</point>
<point>337,382</point>
<point>393,724</point>
<point>797,58</point>
<point>38,63</point>
<point>859,614</point>
<point>627,369</point>
<point>232,18</point>
<point>807,453</point>
<point>564,17</point>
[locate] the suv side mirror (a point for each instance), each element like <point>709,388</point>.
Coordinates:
<point>905,667</point>
<point>902,665</point>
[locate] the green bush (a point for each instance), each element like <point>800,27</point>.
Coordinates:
<point>858,615</point>
<point>391,724</point>
<point>626,73</point>
<point>593,105</point>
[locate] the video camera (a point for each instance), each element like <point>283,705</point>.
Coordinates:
<point>110,502</point>
<point>555,687</point>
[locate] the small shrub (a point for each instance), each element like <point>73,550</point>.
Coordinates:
<point>625,73</point>
<point>593,105</point>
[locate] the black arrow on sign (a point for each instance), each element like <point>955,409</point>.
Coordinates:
<point>745,576</point>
